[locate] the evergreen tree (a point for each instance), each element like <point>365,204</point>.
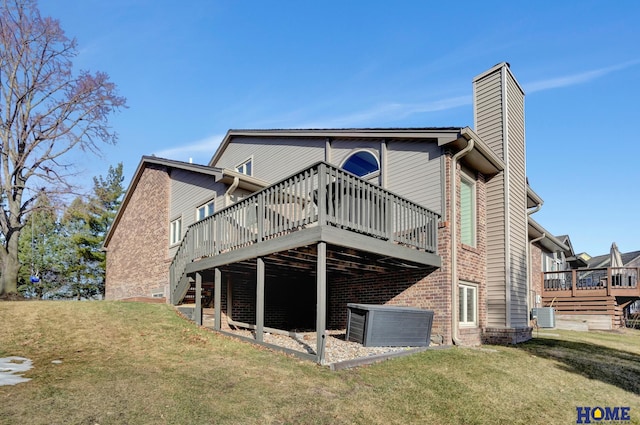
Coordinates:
<point>86,225</point>
<point>41,252</point>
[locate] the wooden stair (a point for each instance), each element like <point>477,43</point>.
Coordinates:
<point>190,295</point>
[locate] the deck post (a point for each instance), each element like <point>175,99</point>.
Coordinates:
<point>609,281</point>
<point>259,299</point>
<point>321,300</point>
<point>574,283</point>
<point>197,312</point>
<point>217,295</point>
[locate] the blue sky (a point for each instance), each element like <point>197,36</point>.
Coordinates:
<point>193,69</point>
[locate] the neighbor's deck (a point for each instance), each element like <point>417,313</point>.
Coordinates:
<point>598,282</point>
<point>600,295</point>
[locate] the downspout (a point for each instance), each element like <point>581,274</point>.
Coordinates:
<point>534,209</point>
<point>229,192</point>
<point>454,244</point>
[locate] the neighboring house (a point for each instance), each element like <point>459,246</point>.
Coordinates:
<point>283,228</point>
<point>586,292</point>
<point>547,254</point>
<point>629,259</point>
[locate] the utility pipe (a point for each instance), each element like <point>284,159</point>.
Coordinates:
<point>229,192</point>
<point>454,273</point>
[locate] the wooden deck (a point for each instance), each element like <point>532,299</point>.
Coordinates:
<point>581,283</point>
<point>319,204</point>
<point>594,294</point>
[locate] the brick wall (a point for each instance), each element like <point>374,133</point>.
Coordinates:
<point>535,274</point>
<point>137,254</point>
<point>472,261</point>
<point>418,288</point>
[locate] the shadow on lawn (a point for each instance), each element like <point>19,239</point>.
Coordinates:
<point>615,367</point>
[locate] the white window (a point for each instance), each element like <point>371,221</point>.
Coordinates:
<point>362,164</point>
<point>467,211</point>
<point>467,304</point>
<point>205,210</point>
<point>246,167</point>
<point>175,231</point>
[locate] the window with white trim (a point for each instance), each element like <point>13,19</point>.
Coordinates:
<point>467,304</point>
<point>467,211</point>
<point>362,164</point>
<point>204,211</point>
<point>246,167</point>
<point>175,232</point>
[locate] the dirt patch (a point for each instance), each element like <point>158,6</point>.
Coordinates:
<point>12,297</point>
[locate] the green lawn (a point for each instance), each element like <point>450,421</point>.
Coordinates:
<point>130,363</point>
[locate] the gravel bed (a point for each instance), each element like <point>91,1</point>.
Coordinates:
<point>336,348</point>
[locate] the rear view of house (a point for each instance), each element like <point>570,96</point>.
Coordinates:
<point>284,228</point>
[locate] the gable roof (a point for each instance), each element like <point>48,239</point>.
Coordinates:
<point>219,174</point>
<point>545,238</point>
<point>604,260</point>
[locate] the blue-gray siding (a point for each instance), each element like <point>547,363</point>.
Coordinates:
<point>413,167</point>
<point>414,171</point>
<point>273,158</point>
<point>189,191</point>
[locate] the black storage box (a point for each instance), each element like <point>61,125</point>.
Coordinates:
<point>388,326</point>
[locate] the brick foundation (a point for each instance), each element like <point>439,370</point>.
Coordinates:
<point>506,336</point>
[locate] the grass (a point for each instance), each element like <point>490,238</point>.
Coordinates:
<point>130,363</point>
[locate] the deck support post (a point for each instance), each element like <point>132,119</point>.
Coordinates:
<point>197,312</point>
<point>321,300</point>
<point>217,297</point>
<point>259,299</point>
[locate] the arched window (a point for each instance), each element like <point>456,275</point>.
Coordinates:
<point>361,163</point>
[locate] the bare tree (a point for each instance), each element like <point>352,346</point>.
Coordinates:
<point>45,112</point>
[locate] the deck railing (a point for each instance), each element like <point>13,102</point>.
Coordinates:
<point>319,195</point>
<point>586,282</point>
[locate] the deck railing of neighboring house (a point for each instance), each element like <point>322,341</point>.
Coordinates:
<point>319,195</point>
<point>585,282</point>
